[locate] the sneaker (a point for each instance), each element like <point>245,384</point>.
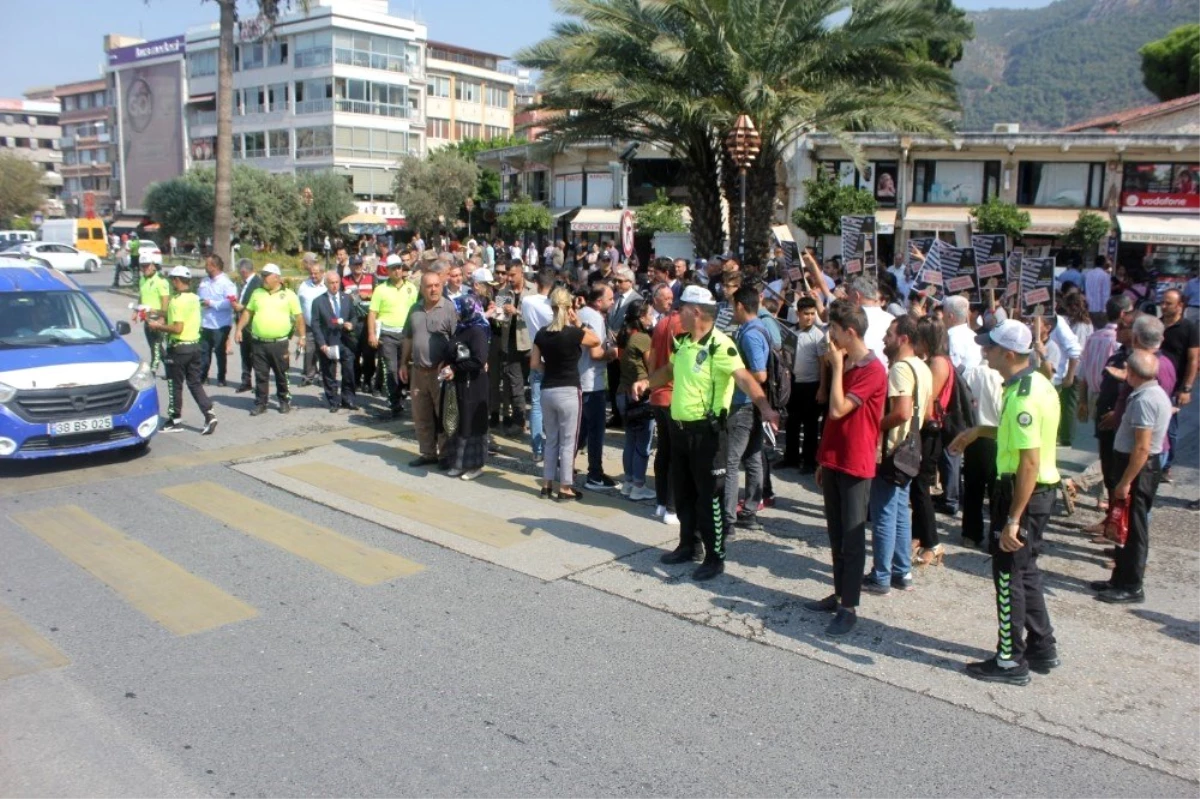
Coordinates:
<point>210,425</point>
<point>680,554</point>
<point>670,519</point>
<point>592,484</point>
<point>1043,664</point>
<point>471,475</point>
<point>990,671</point>
<point>641,493</point>
<point>626,489</point>
<point>843,622</point>
<point>660,511</point>
<point>708,570</point>
<point>1165,477</point>
<point>611,483</point>
<point>258,410</point>
<point>767,502</point>
<point>872,587</point>
<point>747,521</point>
<point>285,407</point>
<point>904,583</point>
<point>171,426</point>
<point>827,605</point>
<point>455,473</point>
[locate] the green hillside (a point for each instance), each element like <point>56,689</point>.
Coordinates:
<point>1074,59</point>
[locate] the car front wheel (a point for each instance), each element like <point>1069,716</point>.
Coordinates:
<point>91,266</point>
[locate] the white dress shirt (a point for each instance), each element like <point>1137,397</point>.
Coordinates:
<point>964,352</point>
<point>987,386</point>
<point>878,322</point>
<point>307,292</point>
<point>1062,348</point>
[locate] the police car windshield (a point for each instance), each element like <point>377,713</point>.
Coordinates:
<point>50,318</point>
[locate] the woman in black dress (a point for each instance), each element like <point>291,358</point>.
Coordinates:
<point>464,371</point>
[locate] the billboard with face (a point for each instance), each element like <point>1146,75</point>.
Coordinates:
<point>151,127</point>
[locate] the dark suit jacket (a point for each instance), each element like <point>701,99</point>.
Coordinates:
<point>325,329</point>
<point>254,283</point>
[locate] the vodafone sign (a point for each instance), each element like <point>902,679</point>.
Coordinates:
<point>1153,202</point>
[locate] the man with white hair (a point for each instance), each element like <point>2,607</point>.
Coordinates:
<point>964,352</point>
<point>862,290</point>
<point>307,292</point>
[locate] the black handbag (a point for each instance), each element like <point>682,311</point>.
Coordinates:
<point>903,463</point>
<point>638,411</point>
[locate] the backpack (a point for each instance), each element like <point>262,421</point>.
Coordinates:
<point>960,413</point>
<point>778,387</point>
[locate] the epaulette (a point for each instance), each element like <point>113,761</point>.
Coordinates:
<point>1026,386</point>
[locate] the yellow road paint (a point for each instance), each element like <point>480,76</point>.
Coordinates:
<point>341,555</point>
<point>423,508</point>
<point>155,586</point>
<point>23,651</point>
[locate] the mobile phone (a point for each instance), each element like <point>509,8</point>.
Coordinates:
<point>769,433</point>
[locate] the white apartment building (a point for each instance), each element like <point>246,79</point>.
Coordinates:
<point>29,128</point>
<point>467,96</point>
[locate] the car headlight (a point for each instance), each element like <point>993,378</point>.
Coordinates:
<point>7,392</point>
<point>143,378</point>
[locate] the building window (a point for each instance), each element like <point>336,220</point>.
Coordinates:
<point>471,60</point>
<point>466,91</point>
<point>370,52</point>
<point>202,63</point>
<point>102,156</point>
<point>355,96</point>
<point>314,142</point>
<point>237,145</point>
<point>496,96</point>
<point>1063,185</point>
<point>437,128</point>
<point>100,98</point>
<point>280,142</point>
<point>955,182</point>
<point>467,130</point>
<point>313,96</point>
<point>85,102</point>
<point>256,145</point>
<point>314,49</point>
<point>387,145</point>
<point>70,102</point>
<point>277,97</point>
<point>438,86</point>
<point>70,158</point>
<point>250,56</point>
<point>277,53</point>
<point>493,132</point>
<point>252,100</point>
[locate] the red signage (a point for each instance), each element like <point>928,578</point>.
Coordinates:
<point>1158,203</point>
<point>89,204</point>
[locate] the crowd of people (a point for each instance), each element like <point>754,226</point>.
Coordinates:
<point>899,407</point>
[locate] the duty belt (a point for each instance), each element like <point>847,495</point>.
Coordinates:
<point>272,340</point>
<point>184,343</point>
<point>1039,488</point>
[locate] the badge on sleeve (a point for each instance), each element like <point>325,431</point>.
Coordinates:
<point>1024,419</point>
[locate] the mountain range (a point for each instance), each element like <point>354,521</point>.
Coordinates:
<point>1066,62</point>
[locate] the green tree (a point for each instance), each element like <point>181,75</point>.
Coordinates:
<point>525,216</point>
<point>677,73</point>
<point>431,191</point>
<point>946,52</point>
<point>267,207</point>
<point>487,187</point>
<point>660,216</point>
<point>1087,232</point>
<point>826,202</point>
<point>1171,65</point>
<point>332,201</point>
<point>183,206</point>
<point>996,216</point>
<point>21,189</point>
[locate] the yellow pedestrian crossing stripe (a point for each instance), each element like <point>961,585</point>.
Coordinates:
<point>423,508</point>
<point>332,551</point>
<point>159,588</point>
<point>22,650</point>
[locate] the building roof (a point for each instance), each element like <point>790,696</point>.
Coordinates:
<point>1114,121</point>
<point>457,48</point>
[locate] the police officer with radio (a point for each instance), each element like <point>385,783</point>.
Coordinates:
<point>183,360</point>
<point>1026,443</point>
<point>705,366</point>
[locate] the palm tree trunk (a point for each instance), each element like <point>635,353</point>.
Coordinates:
<point>223,208</point>
<point>704,192</point>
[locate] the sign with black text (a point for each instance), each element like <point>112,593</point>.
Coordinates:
<point>1037,287</point>
<point>958,273</point>
<point>858,245</point>
<point>991,254</point>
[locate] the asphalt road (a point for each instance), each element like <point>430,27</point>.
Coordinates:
<point>452,676</point>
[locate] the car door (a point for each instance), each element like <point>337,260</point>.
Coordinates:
<point>54,253</point>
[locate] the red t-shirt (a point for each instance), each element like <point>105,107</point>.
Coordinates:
<point>668,328</point>
<point>849,444</point>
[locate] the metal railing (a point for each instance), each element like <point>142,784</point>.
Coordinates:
<point>313,58</point>
<point>323,151</point>
<point>314,106</point>
<point>372,108</point>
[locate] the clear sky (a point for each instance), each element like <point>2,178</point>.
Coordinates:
<point>60,41</point>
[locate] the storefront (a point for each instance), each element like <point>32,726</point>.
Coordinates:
<point>1158,227</point>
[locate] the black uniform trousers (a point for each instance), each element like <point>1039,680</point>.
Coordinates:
<point>329,375</point>
<point>698,477</point>
<point>390,346</point>
<point>184,366</point>
<point>212,343</point>
<point>1131,559</point>
<point>804,415</point>
<point>846,500</point>
<point>247,350</point>
<point>979,484</point>
<point>270,356</point>
<point>1021,613</point>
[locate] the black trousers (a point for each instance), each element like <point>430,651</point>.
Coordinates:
<point>1108,468</point>
<point>512,382</point>
<point>1130,567</point>
<point>979,484</point>
<point>804,415</point>
<point>246,348</point>
<point>664,491</point>
<point>698,477</point>
<point>184,364</point>
<point>389,362</point>
<point>329,376</point>
<point>1021,614</point>
<point>157,342</point>
<point>924,522</point>
<point>364,361</point>
<point>846,501</point>
<point>270,356</point>
<point>614,380</point>
<point>212,342</point>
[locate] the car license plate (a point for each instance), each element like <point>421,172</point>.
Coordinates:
<point>80,426</point>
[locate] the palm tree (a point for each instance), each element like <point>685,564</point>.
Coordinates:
<point>679,72</point>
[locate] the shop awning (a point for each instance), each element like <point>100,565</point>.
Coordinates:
<point>126,223</point>
<point>1156,229</point>
<point>599,220</point>
<point>935,217</point>
<point>558,213</point>
<point>200,99</point>
<point>1050,221</point>
<point>885,221</point>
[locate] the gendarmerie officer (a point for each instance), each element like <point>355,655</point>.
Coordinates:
<point>705,365</point>
<point>183,359</point>
<point>1025,494</point>
<point>272,314</point>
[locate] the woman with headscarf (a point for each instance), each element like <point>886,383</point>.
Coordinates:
<point>465,376</point>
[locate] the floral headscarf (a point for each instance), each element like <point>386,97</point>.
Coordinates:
<point>470,313</point>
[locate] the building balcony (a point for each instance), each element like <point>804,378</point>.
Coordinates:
<point>322,106</point>
<point>370,108</point>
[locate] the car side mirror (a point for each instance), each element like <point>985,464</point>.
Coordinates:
<point>123,328</point>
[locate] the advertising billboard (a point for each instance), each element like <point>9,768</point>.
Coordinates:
<point>151,127</point>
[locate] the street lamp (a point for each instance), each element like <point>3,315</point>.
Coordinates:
<point>743,144</point>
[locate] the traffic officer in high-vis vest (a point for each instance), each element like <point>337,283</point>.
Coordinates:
<point>705,365</point>
<point>184,361</point>
<point>1027,486</point>
<point>272,313</point>
<point>153,295</point>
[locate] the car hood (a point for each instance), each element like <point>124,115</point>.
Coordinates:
<point>68,365</point>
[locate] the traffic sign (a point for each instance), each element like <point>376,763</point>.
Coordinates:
<point>627,232</point>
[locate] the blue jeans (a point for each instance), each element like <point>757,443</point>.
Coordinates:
<point>638,438</point>
<point>537,436</point>
<point>891,535</point>
<point>591,431</point>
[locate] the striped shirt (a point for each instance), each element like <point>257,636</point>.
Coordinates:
<point>1099,348</point>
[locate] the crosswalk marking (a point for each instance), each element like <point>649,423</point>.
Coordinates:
<point>344,556</point>
<point>414,505</point>
<point>22,650</point>
<point>159,588</point>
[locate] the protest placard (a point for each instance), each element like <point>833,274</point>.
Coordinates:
<point>990,256</point>
<point>1037,287</point>
<point>858,245</point>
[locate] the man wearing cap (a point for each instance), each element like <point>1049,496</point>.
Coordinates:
<point>250,284</point>
<point>153,295</point>
<point>307,292</point>
<point>184,364</point>
<point>1024,499</point>
<point>272,313</point>
<point>390,305</point>
<point>705,366</point>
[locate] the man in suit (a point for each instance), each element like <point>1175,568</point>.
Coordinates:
<point>250,283</point>
<point>332,323</point>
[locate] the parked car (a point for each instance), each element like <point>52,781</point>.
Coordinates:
<point>149,253</point>
<point>62,257</point>
<point>16,256</point>
<point>69,384</point>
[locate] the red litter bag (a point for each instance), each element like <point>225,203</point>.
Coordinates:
<point>1116,522</point>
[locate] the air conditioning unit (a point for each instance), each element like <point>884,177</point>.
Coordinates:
<point>1006,127</point>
